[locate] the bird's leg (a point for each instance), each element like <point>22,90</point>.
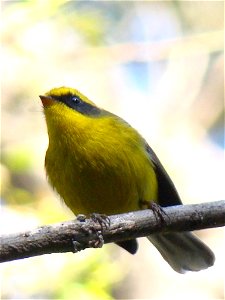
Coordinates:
<point>98,241</point>
<point>104,223</point>
<point>157,210</point>
<point>101,219</point>
<point>78,246</point>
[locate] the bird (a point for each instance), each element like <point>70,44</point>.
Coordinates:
<point>98,163</point>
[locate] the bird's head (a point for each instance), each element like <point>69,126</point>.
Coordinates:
<point>72,99</point>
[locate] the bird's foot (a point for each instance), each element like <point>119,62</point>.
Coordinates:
<point>80,245</point>
<point>157,210</point>
<point>101,219</point>
<point>104,222</point>
<point>97,241</point>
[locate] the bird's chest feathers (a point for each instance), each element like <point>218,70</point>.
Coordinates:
<point>94,148</point>
<point>95,168</point>
<point>87,160</point>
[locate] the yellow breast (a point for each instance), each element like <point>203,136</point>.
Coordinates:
<point>98,164</point>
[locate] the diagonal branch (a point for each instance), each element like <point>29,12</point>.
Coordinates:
<point>62,237</point>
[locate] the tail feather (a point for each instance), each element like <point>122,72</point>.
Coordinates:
<point>183,251</point>
<point>130,245</point>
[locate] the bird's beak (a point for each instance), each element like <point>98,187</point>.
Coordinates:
<point>47,100</point>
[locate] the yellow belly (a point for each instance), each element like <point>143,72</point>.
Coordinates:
<point>108,184</point>
<point>106,169</point>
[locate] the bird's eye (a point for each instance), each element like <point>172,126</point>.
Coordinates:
<point>75,99</point>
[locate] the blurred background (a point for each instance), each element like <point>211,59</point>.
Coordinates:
<point>159,65</point>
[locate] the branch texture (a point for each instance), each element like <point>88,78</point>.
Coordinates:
<point>63,237</point>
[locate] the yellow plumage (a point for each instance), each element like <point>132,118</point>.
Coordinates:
<point>99,164</point>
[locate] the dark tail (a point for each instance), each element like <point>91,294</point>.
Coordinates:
<point>183,251</point>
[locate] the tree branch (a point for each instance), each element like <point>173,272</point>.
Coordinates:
<point>62,237</point>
